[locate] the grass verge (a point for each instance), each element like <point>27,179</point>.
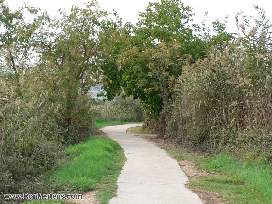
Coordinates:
<point>237,181</point>
<point>92,165</point>
<point>90,162</point>
<point>233,179</point>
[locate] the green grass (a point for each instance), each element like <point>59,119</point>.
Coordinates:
<point>99,123</point>
<point>236,181</point>
<point>92,165</point>
<point>90,162</point>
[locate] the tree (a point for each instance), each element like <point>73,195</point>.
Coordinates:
<point>17,40</point>
<point>72,51</point>
<point>148,58</point>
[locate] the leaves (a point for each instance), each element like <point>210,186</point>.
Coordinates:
<point>146,59</point>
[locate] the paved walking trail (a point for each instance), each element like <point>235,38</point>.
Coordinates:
<point>149,175</point>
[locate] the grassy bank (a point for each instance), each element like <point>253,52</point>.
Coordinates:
<point>233,179</point>
<point>93,165</point>
<point>243,181</point>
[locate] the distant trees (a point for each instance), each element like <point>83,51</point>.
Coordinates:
<point>120,108</point>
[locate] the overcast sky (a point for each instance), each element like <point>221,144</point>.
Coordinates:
<point>128,9</point>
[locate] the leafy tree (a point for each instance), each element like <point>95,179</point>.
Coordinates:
<point>73,52</point>
<point>47,66</point>
<point>170,21</point>
<point>146,59</point>
<point>114,39</point>
<point>17,39</point>
<point>221,38</point>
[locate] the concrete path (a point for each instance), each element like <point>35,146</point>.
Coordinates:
<point>149,175</point>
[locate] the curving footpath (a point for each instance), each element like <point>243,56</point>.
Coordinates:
<point>150,175</point>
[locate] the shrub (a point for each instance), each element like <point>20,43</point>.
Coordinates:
<point>125,109</point>
<point>33,130</point>
<point>30,144</point>
<point>226,97</point>
<point>82,121</point>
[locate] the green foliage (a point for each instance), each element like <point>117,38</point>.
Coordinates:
<point>100,123</point>
<point>165,20</point>
<point>73,51</point>
<point>47,68</point>
<point>30,144</point>
<point>146,59</point>
<point>224,101</point>
<point>169,21</point>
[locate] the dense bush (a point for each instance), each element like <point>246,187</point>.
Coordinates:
<point>120,108</point>
<point>33,129</point>
<point>82,121</point>
<point>43,95</point>
<point>225,100</point>
<point>31,142</point>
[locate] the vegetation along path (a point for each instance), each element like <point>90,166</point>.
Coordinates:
<point>149,176</point>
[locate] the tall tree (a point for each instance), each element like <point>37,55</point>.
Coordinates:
<point>70,46</point>
<point>17,41</point>
<point>149,57</point>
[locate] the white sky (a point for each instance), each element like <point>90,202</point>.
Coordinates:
<point>128,9</point>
